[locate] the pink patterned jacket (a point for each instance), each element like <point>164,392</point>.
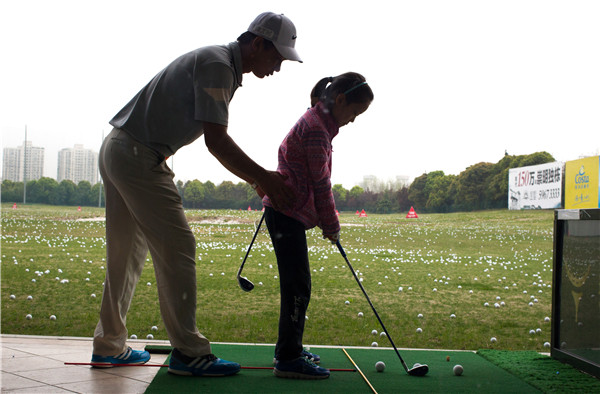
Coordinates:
<point>305,157</point>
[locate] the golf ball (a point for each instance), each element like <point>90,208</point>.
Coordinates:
<point>419,330</point>
<point>12,297</point>
<point>150,336</point>
<point>154,328</point>
<point>493,339</point>
<point>374,332</point>
<point>374,344</point>
<point>360,314</point>
<point>28,317</point>
<point>379,366</point>
<point>52,317</point>
<point>458,370</point>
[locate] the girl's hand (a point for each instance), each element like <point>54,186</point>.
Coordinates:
<point>332,237</point>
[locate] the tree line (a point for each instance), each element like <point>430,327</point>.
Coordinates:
<point>480,186</point>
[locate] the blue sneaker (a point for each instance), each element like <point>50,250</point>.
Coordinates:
<point>300,368</point>
<point>129,356</point>
<point>208,365</point>
<point>315,358</point>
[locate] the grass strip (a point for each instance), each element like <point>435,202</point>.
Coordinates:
<point>543,372</point>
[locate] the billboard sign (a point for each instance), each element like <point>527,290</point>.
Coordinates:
<point>535,187</point>
<point>581,183</point>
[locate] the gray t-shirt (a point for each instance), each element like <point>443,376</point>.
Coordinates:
<point>197,87</point>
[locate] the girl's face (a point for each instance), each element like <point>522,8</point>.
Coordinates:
<point>345,113</point>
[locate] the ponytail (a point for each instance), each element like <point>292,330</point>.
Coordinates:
<point>352,85</point>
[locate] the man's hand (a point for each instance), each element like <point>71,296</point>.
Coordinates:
<point>282,197</point>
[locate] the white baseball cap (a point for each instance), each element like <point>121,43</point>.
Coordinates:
<point>278,29</point>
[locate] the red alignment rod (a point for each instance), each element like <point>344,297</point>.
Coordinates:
<point>166,365</point>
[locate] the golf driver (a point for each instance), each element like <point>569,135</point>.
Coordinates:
<point>244,283</point>
<point>417,369</point>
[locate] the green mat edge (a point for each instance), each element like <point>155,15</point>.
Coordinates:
<point>542,372</point>
<point>538,372</point>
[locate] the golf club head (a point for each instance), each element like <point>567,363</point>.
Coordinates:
<point>245,284</point>
<point>418,370</point>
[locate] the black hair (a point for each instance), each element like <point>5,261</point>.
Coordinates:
<point>352,84</point>
<point>247,37</point>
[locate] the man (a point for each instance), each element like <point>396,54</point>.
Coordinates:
<point>187,99</point>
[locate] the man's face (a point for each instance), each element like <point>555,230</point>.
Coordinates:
<point>267,61</point>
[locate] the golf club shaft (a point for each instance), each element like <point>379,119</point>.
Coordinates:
<point>250,246</point>
<point>370,303</point>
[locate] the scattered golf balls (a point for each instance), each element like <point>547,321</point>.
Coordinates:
<point>150,336</point>
<point>374,332</point>
<point>28,317</point>
<point>154,328</point>
<point>347,302</point>
<point>419,330</point>
<point>360,314</point>
<point>379,366</point>
<point>133,336</point>
<point>374,344</point>
<point>458,370</point>
<point>493,339</point>
<point>52,317</point>
<point>12,297</point>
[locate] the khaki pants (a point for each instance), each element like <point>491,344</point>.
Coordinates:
<point>144,212</point>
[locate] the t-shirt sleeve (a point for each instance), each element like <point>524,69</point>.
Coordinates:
<point>213,87</point>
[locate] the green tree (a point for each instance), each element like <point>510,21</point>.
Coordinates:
<point>416,193</point>
<point>11,191</point>
<point>340,196</point>
<point>84,190</point>
<point>193,194</point>
<point>472,184</point>
<point>65,193</point>
<point>440,198</point>
<point>40,191</point>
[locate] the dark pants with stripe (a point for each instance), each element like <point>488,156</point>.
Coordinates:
<point>289,241</point>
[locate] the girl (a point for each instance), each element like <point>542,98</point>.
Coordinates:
<point>305,158</point>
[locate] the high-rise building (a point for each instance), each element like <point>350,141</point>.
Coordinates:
<point>23,162</point>
<point>77,164</point>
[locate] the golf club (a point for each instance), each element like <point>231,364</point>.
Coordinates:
<point>244,283</point>
<point>417,369</point>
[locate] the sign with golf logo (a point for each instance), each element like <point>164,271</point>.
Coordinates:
<point>581,183</point>
<point>535,187</point>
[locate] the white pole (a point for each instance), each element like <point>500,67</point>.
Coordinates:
<point>25,168</point>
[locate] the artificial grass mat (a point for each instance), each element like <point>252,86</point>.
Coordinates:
<point>543,372</point>
<point>480,375</point>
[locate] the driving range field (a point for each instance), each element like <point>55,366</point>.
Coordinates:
<point>473,289</point>
<point>462,281</point>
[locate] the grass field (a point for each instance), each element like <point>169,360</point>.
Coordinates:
<point>441,273</point>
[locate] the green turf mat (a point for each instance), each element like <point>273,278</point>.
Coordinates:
<point>543,372</point>
<point>480,375</point>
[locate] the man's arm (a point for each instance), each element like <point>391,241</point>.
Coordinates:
<point>232,157</point>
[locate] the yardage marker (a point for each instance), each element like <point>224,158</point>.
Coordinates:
<point>359,371</point>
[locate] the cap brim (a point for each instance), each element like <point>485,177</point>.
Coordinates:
<point>288,53</point>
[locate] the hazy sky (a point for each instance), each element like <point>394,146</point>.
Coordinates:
<point>455,82</point>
